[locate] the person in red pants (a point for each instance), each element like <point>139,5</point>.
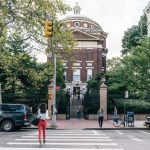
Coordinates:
<point>43,115</point>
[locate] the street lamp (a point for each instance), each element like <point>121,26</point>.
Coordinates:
<point>126,96</point>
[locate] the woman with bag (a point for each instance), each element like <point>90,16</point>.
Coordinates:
<point>42,115</point>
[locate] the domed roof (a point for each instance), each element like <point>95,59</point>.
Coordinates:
<point>81,18</point>
<point>85,22</point>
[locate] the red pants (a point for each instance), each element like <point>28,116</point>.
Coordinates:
<point>41,126</point>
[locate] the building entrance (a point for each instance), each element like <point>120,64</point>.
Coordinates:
<point>76,90</point>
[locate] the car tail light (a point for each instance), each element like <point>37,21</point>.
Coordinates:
<point>25,117</point>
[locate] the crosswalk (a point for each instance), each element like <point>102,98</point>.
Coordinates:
<point>64,140</point>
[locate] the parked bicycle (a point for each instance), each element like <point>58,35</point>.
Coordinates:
<point>118,121</point>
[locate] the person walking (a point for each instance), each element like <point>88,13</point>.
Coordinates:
<point>115,112</point>
<point>100,114</point>
<point>42,115</point>
<point>78,113</point>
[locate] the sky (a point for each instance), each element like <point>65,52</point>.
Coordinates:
<point>114,16</point>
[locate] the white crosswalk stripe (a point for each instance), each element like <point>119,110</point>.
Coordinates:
<point>65,140</point>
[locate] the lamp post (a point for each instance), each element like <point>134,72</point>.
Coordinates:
<point>126,96</point>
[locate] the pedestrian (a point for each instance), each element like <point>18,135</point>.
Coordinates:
<point>100,114</point>
<point>43,115</point>
<point>78,113</point>
<point>115,112</point>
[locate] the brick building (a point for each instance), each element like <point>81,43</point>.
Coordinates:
<point>90,52</point>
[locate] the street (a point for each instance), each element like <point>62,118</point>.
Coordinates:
<point>77,140</point>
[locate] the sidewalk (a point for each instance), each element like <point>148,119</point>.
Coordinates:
<point>90,124</point>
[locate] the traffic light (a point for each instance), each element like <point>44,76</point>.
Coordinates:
<point>48,29</point>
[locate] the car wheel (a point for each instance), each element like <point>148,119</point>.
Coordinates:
<point>7,125</point>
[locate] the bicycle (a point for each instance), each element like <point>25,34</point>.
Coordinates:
<point>118,121</point>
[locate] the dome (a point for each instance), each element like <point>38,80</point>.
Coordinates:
<point>83,20</point>
<point>80,21</point>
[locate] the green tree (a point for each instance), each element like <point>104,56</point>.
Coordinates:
<point>134,34</point>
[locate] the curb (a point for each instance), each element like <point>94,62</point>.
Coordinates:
<point>49,128</point>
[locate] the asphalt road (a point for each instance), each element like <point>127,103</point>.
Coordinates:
<point>77,140</point>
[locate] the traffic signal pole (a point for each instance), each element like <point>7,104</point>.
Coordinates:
<point>48,33</point>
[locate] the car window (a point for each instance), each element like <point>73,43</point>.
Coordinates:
<point>5,108</point>
<point>19,108</point>
<point>12,108</point>
<point>28,109</point>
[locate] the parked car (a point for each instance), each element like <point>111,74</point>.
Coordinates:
<point>147,121</point>
<point>14,116</point>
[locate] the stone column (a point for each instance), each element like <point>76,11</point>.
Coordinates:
<point>103,99</point>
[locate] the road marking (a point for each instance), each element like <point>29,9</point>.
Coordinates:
<point>59,131</point>
<point>67,134</point>
<point>64,137</point>
<point>79,144</point>
<point>136,139</point>
<point>95,132</point>
<point>95,140</point>
<point>144,132</point>
<point>53,149</point>
<point>119,132</point>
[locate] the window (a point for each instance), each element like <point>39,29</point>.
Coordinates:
<point>76,64</point>
<point>28,111</point>
<point>76,24</point>
<point>89,64</point>
<point>76,75</point>
<point>64,64</point>
<point>92,26</point>
<point>65,75</point>
<point>89,74</point>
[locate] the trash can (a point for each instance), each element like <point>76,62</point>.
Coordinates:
<point>130,118</point>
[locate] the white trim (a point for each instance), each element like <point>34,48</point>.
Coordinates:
<point>89,46</point>
<point>65,61</point>
<point>77,67</point>
<point>89,67</point>
<point>89,60</point>
<point>78,61</point>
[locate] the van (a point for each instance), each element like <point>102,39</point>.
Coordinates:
<point>14,116</point>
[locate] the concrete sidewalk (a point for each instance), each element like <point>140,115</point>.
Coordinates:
<point>90,124</point>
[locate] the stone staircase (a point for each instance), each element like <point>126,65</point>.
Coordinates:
<point>74,105</point>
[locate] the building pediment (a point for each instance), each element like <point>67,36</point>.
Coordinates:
<point>81,35</point>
